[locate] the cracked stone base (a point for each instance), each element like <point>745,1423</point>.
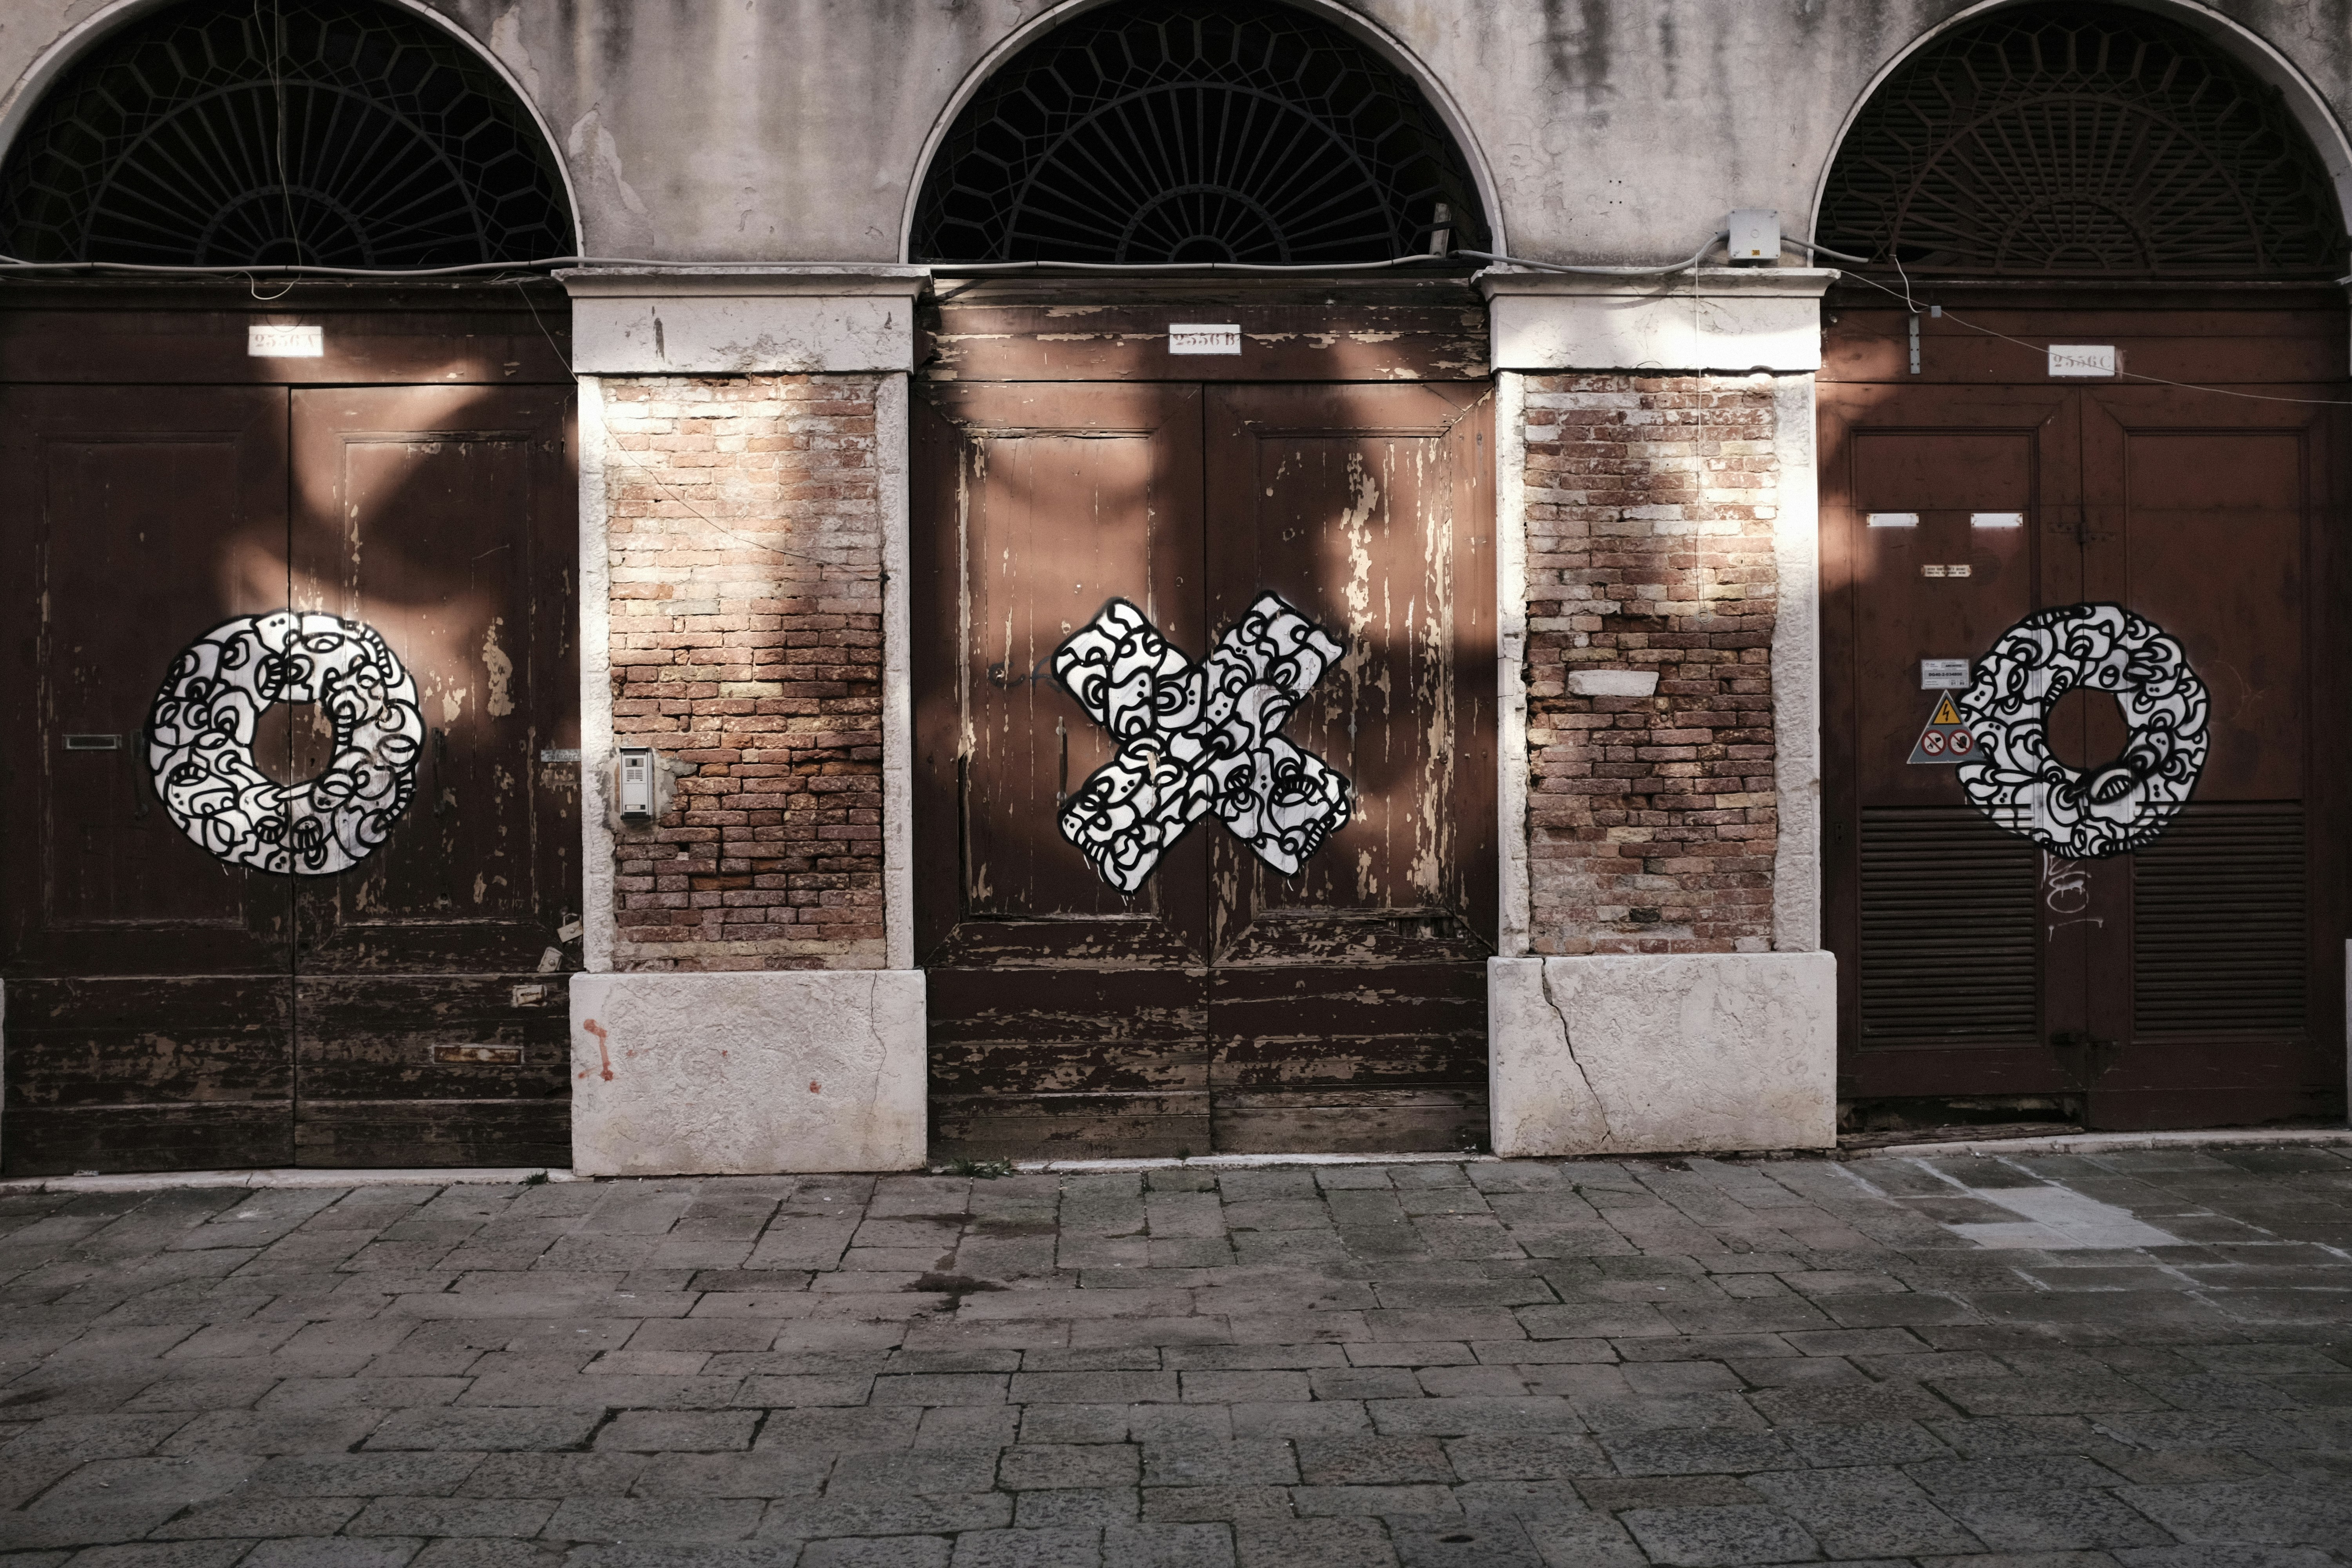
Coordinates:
<point>1631,1053</point>
<point>802,1070</point>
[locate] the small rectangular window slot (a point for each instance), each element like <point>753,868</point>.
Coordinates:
<point>93,743</point>
<point>1894,520</point>
<point>1996,520</point>
<point>479,1056</point>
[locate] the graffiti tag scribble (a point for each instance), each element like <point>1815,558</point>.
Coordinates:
<point>1195,739</point>
<point>2085,815</point>
<point>200,742</point>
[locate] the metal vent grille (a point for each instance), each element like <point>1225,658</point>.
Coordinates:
<point>1948,920</point>
<point>2220,942</point>
<point>1196,130</point>
<point>2081,140</point>
<point>331,132</point>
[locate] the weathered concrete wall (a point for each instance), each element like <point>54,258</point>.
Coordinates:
<point>741,1074</point>
<point>1628,1052</point>
<point>1612,129</point>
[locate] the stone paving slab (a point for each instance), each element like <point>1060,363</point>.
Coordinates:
<point>2093,1357</point>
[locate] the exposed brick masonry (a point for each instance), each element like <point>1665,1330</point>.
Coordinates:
<point>761,670</point>
<point>1650,513</point>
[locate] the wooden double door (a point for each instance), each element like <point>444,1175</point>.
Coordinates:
<point>1224,1004</point>
<point>167,1007</point>
<point>2198,979</point>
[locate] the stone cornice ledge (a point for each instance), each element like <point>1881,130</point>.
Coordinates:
<point>799,317</point>
<point>1723,318</point>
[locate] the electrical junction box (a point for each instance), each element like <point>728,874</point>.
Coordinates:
<point>1755,237</point>
<point>635,788</point>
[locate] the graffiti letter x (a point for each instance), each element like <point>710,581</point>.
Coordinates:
<point>1199,738</point>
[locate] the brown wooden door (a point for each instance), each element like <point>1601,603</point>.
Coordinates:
<point>2197,980</point>
<point>149,1018</point>
<point>443,517</point>
<point>1348,1003</point>
<point>1224,1005</point>
<point>170,1008</point>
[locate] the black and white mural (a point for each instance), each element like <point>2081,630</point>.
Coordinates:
<point>199,737</point>
<point>2074,813</point>
<point>1199,738</point>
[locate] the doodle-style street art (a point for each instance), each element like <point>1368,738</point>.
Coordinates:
<point>1195,739</point>
<point>200,737</point>
<point>2085,815</point>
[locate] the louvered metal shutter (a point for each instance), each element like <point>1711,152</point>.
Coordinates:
<point>1947,930</point>
<point>2219,940</point>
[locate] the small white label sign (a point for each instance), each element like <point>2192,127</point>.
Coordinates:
<point>1204,338</point>
<point>2082,359</point>
<point>1944,675</point>
<point>285,342</point>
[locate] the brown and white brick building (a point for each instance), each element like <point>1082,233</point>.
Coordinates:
<point>1675,611</point>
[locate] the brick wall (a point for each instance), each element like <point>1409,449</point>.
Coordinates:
<point>761,670</point>
<point>1650,514</point>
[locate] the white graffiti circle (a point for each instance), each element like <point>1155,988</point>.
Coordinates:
<point>2076,815</point>
<point>1199,738</point>
<point>200,737</point>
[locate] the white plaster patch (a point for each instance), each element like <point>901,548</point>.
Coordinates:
<point>747,1074</point>
<point>1639,1052</point>
<point>1612,682</point>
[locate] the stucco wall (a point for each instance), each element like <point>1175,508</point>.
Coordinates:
<point>1612,129</point>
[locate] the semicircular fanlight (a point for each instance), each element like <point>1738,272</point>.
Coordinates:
<point>2083,141</point>
<point>331,132</point>
<point>1194,130</point>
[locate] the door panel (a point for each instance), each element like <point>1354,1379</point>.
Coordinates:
<point>2199,981</point>
<point>1931,909</point>
<point>1064,1018</point>
<point>444,517</point>
<point>136,519</point>
<point>1348,1002</point>
<point>2202,513</point>
<point>1225,1005</point>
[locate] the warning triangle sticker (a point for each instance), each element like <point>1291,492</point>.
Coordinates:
<point>1946,740</point>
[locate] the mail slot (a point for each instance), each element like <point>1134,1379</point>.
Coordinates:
<point>479,1056</point>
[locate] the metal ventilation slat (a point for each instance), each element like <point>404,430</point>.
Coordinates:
<point>2220,934</point>
<point>1947,930</point>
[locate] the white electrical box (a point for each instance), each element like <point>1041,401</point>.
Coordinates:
<point>635,785</point>
<point>1755,237</point>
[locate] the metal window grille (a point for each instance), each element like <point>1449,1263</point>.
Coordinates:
<point>259,132</point>
<point>2081,140</point>
<point>1196,130</point>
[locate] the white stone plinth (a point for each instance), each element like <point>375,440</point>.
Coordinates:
<point>747,1074</point>
<point>1731,319</point>
<point>797,321</point>
<point>1633,1053</point>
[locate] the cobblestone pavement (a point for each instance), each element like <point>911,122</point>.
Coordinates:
<point>2137,1359</point>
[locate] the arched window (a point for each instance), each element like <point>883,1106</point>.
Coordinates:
<point>328,132</point>
<point>2081,140</point>
<point>1194,130</point>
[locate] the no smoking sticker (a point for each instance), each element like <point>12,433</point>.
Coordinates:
<point>1946,740</point>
